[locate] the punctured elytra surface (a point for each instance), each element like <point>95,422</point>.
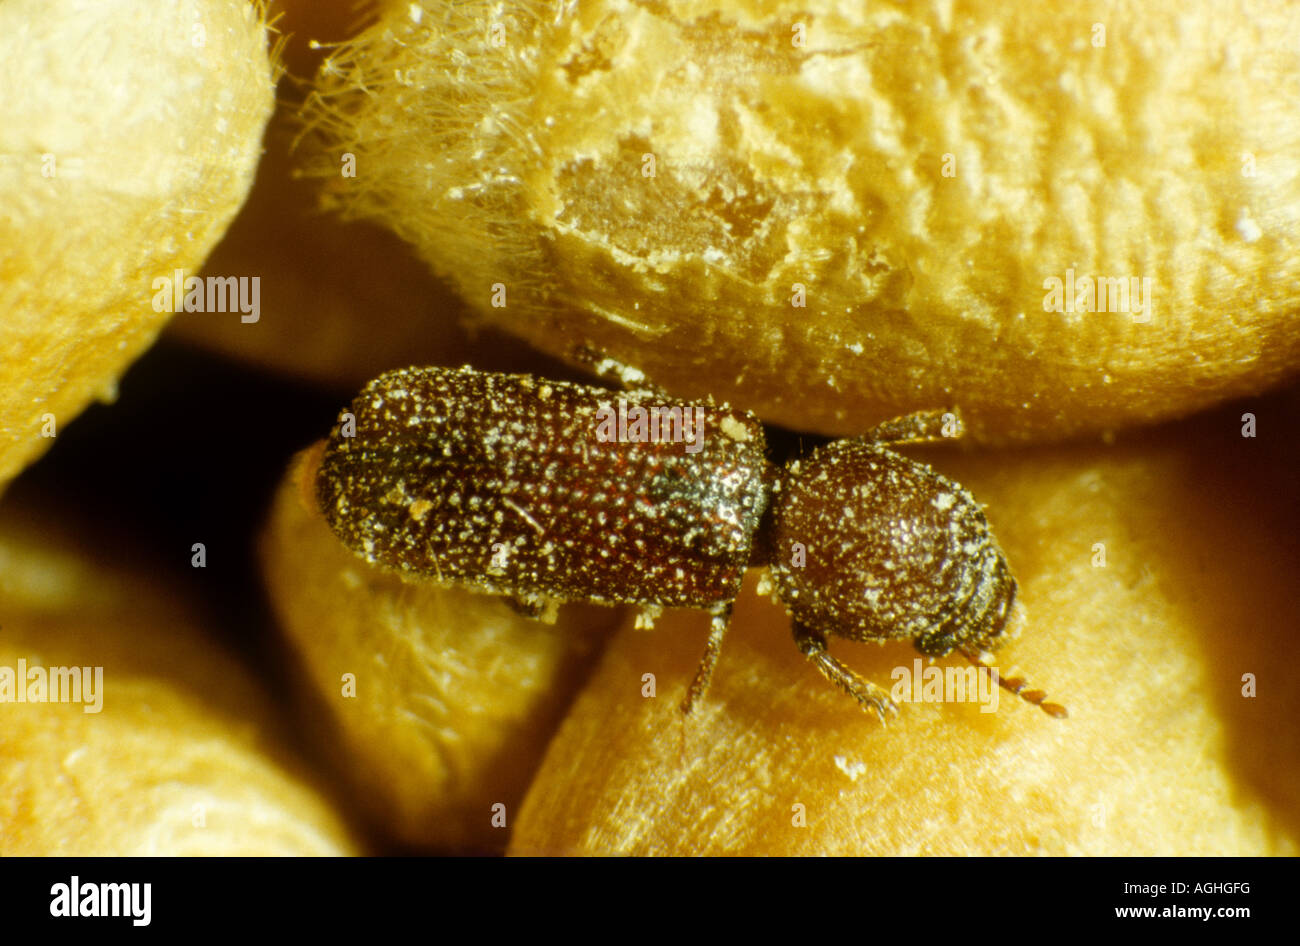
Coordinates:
<point>500,483</point>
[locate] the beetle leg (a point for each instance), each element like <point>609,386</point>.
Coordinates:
<point>921,427</point>
<point>721,617</point>
<point>545,610</point>
<point>812,644</point>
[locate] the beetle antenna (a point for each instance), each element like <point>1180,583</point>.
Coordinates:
<point>1017,685</point>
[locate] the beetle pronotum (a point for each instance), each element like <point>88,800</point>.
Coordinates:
<point>549,491</point>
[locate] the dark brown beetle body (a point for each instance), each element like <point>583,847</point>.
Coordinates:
<point>500,482</point>
<point>548,491</point>
<point>891,549</point>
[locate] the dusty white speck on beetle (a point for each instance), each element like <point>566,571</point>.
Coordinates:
<point>448,465</point>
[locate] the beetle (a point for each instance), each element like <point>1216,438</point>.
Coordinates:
<point>553,491</point>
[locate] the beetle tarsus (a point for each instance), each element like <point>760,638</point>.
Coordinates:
<point>543,610</point>
<point>874,699</point>
<point>919,427</point>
